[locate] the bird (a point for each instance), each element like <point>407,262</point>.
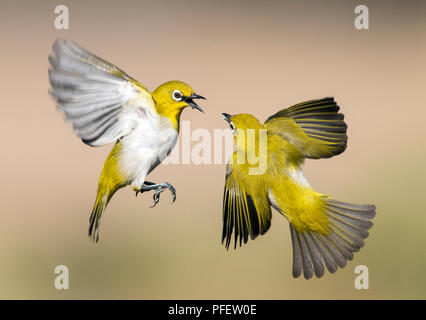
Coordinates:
<point>325,232</point>
<point>105,105</point>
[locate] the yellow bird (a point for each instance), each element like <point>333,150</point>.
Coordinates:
<point>106,105</point>
<point>324,231</point>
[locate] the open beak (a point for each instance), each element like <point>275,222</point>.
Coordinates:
<point>227,117</point>
<point>190,101</point>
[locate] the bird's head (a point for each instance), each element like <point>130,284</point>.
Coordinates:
<point>173,96</point>
<point>242,122</point>
<point>243,125</point>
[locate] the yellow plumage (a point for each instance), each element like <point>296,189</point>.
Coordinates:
<point>111,179</point>
<point>105,105</point>
<point>324,231</point>
<point>303,207</point>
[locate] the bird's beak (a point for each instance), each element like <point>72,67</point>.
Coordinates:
<point>227,117</point>
<point>190,101</point>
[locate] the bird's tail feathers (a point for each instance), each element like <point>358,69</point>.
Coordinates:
<point>95,218</point>
<point>110,180</point>
<point>348,226</point>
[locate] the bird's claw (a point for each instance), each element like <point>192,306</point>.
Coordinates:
<point>156,197</point>
<point>173,192</point>
<point>160,189</point>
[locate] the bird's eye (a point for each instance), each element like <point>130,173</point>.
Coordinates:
<point>232,126</point>
<point>177,95</point>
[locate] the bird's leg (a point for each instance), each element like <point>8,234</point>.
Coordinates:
<point>158,187</point>
<point>145,186</point>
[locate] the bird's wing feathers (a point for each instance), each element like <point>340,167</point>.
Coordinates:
<point>243,213</point>
<point>101,101</point>
<point>315,128</point>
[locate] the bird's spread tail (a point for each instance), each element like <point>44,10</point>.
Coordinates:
<point>348,225</point>
<point>95,218</point>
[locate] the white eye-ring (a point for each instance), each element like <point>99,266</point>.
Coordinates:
<point>232,126</point>
<point>177,95</point>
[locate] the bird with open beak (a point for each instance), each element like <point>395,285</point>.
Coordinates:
<point>325,232</point>
<point>106,105</point>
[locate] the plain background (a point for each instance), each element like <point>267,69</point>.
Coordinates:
<point>244,56</point>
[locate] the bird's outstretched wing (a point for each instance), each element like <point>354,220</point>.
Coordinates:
<point>101,101</point>
<point>244,214</point>
<point>315,128</point>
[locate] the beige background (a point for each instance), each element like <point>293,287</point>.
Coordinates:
<point>251,57</point>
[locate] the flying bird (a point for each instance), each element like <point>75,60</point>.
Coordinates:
<point>105,105</point>
<point>324,231</point>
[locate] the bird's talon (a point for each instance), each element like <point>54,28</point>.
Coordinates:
<point>156,198</point>
<point>173,191</point>
<point>158,189</point>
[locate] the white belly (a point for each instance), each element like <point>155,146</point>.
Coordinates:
<point>145,148</point>
<point>297,175</point>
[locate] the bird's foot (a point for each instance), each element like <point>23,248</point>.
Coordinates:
<point>163,186</point>
<point>159,188</point>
